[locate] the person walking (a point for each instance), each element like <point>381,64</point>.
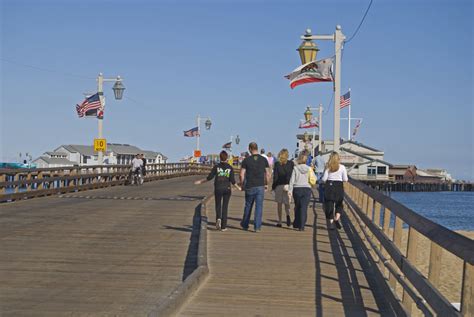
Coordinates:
<point>334,176</point>
<point>142,157</point>
<point>300,188</point>
<point>223,175</point>
<point>319,165</point>
<point>255,173</point>
<point>281,179</point>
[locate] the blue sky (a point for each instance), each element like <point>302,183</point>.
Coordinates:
<point>410,69</point>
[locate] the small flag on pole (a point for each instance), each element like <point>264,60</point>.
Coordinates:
<point>192,132</point>
<point>312,72</point>
<point>89,107</point>
<point>308,124</point>
<point>228,145</point>
<point>356,129</point>
<point>346,99</point>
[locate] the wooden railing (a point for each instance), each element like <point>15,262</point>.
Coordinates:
<point>383,223</point>
<point>18,184</point>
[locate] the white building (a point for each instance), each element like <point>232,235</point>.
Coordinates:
<point>361,161</point>
<point>84,155</point>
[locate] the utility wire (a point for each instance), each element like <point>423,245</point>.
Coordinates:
<point>46,69</point>
<point>360,24</point>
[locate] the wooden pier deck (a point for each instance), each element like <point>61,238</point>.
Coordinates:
<point>284,272</point>
<point>108,252</point>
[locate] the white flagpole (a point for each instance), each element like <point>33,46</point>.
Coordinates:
<point>349,121</point>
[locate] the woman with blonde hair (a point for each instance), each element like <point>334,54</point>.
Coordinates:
<point>282,170</point>
<point>334,176</point>
<point>300,189</point>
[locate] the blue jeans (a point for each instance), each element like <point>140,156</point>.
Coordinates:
<point>254,194</point>
<point>302,196</point>
<point>320,187</point>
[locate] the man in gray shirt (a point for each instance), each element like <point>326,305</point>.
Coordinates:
<point>319,166</point>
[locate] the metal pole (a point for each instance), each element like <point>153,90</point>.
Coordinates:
<point>338,39</point>
<point>199,132</point>
<point>320,128</point>
<point>100,91</point>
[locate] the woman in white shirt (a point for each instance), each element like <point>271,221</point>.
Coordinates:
<point>334,176</point>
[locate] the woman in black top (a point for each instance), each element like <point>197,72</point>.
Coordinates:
<point>223,175</point>
<point>281,178</point>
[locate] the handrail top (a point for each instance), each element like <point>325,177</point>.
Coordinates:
<point>459,245</point>
<point>31,170</point>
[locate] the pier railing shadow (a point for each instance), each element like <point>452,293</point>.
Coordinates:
<point>343,253</point>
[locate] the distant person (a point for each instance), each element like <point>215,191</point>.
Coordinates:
<point>137,163</point>
<point>142,157</point>
<point>319,166</point>
<point>300,189</point>
<point>262,153</point>
<point>254,173</point>
<point>281,179</point>
<point>334,176</point>
<point>224,177</point>
<point>271,160</point>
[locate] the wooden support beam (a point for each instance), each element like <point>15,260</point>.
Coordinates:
<point>467,296</point>
<point>435,264</point>
<point>412,249</point>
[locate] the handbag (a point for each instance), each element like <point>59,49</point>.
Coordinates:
<point>311,177</point>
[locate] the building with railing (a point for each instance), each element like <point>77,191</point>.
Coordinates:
<point>84,155</point>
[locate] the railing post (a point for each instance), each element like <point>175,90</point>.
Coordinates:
<point>412,249</point>
<point>387,214</point>
<point>435,264</point>
<point>3,178</point>
<point>41,183</point>
<point>467,295</point>
<point>397,240</point>
<point>16,178</point>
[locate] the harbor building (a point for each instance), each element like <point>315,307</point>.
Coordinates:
<point>84,155</point>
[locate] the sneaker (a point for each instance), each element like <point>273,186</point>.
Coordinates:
<point>338,224</point>
<point>288,221</point>
<point>225,229</point>
<point>218,224</point>
<point>278,225</point>
<point>258,230</point>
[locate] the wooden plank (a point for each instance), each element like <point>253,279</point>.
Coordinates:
<point>467,296</point>
<point>435,264</point>
<point>412,250</point>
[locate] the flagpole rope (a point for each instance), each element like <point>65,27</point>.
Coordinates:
<point>361,22</point>
<point>46,69</point>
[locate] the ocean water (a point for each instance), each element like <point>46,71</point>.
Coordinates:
<point>454,210</point>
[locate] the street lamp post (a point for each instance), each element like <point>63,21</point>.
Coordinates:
<point>207,124</point>
<point>118,89</point>
<point>308,115</point>
<point>338,39</point>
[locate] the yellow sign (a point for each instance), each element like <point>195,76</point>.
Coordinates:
<point>100,145</point>
<point>197,153</point>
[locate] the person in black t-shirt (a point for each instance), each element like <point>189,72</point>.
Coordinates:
<point>256,174</point>
<point>223,175</point>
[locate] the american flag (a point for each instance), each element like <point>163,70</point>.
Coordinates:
<point>89,106</point>
<point>192,132</point>
<point>346,99</point>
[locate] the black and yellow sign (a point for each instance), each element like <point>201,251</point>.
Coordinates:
<point>100,145</point>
